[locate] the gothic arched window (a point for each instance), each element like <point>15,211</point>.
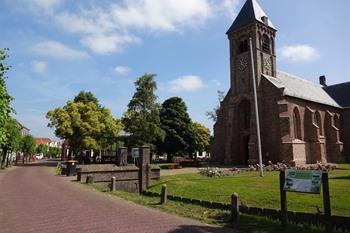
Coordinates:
<point>243,46</point>
<point>337,121</point>
<point>296,124</point>
<point>318,122</point>
<point>265,44</point>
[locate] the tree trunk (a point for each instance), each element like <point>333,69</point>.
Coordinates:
<point>3,159</point>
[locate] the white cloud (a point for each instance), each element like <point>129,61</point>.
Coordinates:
<point>41,6</point>
<point>58,50</point>
<point>39,66</point>
<point>110,29</point>
<point>104,44</point>
<point>299,53</point>
<point>186,83</point>
<point>121,70</point>
<point>229,7</point>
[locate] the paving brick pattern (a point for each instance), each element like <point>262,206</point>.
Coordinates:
<point>33,199</point>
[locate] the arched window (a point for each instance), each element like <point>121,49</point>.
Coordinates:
<point>245,113</point>
<point>337,121</point>
<point>318,122</point>
<point>243,46</point>
<point>265,44</point>
<point>296,124</point>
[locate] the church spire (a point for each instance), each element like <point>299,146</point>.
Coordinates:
<point>250,12</point>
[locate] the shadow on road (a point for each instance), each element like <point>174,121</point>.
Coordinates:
<point>41,163</point>
<point>200,229</point>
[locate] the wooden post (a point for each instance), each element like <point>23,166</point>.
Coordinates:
<point>89,179</point>
<point>113,185</point>
<point>164,194</point>
<point>326,203</point>
<point>234,207</point>
<point>283,199</point>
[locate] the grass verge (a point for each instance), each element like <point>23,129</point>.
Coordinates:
<point>258,191</point>
<point>247,224</point>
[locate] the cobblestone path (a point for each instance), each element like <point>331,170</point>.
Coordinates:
<point>33,199</point>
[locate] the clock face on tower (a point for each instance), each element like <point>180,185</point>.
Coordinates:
<point>242,64</point>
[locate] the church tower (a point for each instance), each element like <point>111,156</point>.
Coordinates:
<point>235,138</point>
<point>251,22</point>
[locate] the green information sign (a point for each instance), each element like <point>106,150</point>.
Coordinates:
<point>305,181</point>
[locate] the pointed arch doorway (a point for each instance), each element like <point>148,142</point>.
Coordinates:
<point>244,110</point>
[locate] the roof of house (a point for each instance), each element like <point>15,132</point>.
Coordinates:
<point>250,12</point>
<point>340,93</point>
<point>295,86</point>
<point>40,141</point>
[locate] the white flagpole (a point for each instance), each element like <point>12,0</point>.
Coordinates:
<point>256,109</point>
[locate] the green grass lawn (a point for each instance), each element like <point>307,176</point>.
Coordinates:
<point>246,224</point>
<point>259,192</point>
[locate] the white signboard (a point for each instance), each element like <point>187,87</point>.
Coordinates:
<point>306,181</point>
<point>135,152</point>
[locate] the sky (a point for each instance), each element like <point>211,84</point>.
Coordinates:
<point>60,47</point>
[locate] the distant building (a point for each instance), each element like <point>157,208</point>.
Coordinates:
<point>48,142</point>
<point>24,130</point>
<point>301,122</point>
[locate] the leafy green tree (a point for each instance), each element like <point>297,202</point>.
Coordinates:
<point>141,119</point>
<point>201,137</point>
<point>28,146</point>
<point>84,123</point>
<point>5,98</point>
<point>177,124</point>
<point>86,97</point>
<point>42,149</point>
<point>12,142</point>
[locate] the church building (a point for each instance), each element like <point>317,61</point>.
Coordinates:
<point>301,122</point>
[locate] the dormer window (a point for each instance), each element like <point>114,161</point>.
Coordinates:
<point>266,44</point>
<point>265,20</point>
<point>243,46</point>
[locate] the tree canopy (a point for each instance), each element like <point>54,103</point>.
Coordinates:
<point>141,119</point>
<point>28,144</point>
<point>84,123</point>
<point>5,98</point>
<point>201,137</point>
<point>177,124</point>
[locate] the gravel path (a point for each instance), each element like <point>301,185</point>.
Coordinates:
<point>33,199</point>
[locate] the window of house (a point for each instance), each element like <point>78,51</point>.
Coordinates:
<point>266,44</point>
<point>243,46</point>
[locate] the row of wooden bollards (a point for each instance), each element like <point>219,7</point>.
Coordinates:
<point>234,203</point>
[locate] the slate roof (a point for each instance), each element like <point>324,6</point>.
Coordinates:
<point>250,12</point>
<point>295,86</point>
<point>340,93</point>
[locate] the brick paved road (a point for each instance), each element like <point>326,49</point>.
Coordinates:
<point>33,199</point>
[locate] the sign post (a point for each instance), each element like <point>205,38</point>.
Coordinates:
<point>305,181</point>
<point>283,199</point>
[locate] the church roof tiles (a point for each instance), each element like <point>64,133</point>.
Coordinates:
<point>295,86</point>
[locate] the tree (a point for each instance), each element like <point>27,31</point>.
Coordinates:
<point>12,142</point>
<point>213,115</point>
<point>86,97</point>
<point>84,123</point>
<point>42,149</point>
<point>28,146</point>
<point>201,137</point>
<point>141,119</point>
<point>5,98</point>
<point>177,125</point>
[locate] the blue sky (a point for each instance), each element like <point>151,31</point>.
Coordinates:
<point>59,47</point>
